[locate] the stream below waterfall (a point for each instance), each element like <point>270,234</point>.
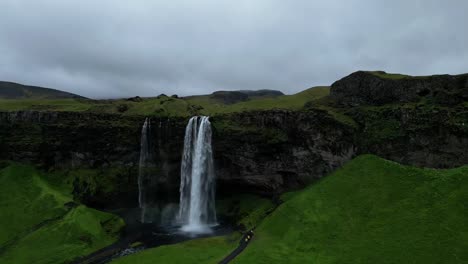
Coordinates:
<point>139,236</point>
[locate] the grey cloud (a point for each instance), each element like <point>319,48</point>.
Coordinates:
<point>109,48</point>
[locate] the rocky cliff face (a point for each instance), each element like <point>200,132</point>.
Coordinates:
<point>106,144</point>
<point>424,136</point>
<point>421,121</point>
<point>260,152</point>
<point>379,88</point>
<point>417,121</point>
<point>273,151</point>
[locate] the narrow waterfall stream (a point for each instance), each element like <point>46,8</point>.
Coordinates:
<point>144,174</point>
<point>197,211</point>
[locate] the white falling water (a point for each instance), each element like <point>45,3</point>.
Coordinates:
<point>197,210</point>
<point>144,174</point>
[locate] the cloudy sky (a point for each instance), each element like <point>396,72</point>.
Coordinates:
<point>111,48</point>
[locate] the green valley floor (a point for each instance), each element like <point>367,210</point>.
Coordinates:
<point>370,211</point>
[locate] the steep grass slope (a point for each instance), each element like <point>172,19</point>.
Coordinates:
<point>370,211</point>
<point>40,223</point>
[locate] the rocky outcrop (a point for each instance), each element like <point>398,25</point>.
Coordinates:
<point>379,88</point>
<point>273,151</point>
<point>420,121</point>
<point>425,136</point>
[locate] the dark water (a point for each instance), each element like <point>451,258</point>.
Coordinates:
<point>146,235</point>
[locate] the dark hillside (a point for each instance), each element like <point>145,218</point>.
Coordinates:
<point>10,90</point>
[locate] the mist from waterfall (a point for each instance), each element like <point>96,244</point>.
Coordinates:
<point>197,211</point>
<point>144,173</point>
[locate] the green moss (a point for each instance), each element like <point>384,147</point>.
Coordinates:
<point>245,210</point>
<point>88,182</point>
<point>394,121</point>
<point>200,251</point>
<point>41,223</point>
<point>393,76</point>
<point>370,211</point>
<point>337,114</point>
<point>224,125</point>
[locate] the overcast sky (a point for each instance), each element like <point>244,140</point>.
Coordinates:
<point>111,48</point>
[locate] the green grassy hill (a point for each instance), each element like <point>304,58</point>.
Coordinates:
<point>370,211</point>
<point>292,102</point>
<point>40,223</point>
<point>166,106</point>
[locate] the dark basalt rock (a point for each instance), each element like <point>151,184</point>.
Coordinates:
<point>379,88</point>
<point>269,152</point>
<point>424,136</point>
<point>259,152</point>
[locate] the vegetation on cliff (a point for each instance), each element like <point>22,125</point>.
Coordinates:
<point>166,106</point>
<point>245,211</point>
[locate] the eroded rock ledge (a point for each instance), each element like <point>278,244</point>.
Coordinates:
<point>379,88</point>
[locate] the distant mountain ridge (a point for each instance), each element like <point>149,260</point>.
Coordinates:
<point>11,90</point>
<point>232,97</point>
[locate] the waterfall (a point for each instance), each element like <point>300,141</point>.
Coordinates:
<point>197,187</point>
<point>144,174</point>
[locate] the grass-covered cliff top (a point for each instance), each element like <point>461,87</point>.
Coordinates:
<point>444,88</point>
<point>166,106</point>
<point>370,211</point>
<point>399,76</point>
